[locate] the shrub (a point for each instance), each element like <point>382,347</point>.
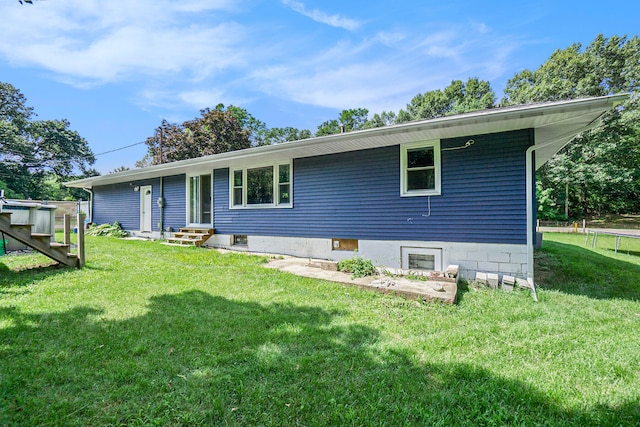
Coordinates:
<point>114,230</point>
<point>357,266</point>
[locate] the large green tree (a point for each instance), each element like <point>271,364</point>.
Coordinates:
<point>215,131</point>
<point>386,118</point>
<point>458,97</point>
<point>350,119</point>
<point>599,169</point>
<point>286,134</point>
<point>34,153</point>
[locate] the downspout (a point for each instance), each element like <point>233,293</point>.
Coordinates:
<point>530,193</point>
<point>161,206</point>
<point>90,191</point>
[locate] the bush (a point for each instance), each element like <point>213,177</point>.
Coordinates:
<point>114,230</point>
<point>357,266</point>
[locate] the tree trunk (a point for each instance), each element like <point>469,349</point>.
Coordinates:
<point>566,201</point>
<point>583,199</point>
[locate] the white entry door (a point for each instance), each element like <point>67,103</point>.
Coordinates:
<point>146,201</point>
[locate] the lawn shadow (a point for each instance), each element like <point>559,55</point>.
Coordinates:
<point>28,274</point>
<point>574,270</point>
<point>463,289</point>
<point>624,251</point>
<point>199,359</point>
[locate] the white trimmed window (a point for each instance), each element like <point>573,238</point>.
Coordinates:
<point>420,169</point>
<point>261,187</point>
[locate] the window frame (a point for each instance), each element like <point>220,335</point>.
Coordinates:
<point>188,190</point>
<point>406,251</point>
<point>275,186</point>
<point>404,148</point>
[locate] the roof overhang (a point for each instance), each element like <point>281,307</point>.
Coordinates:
<point>555,124</point>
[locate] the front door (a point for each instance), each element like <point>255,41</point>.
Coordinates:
<point>146,201</point>
<point>200,205</point>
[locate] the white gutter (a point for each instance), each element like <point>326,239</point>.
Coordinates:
<point>479,122</point>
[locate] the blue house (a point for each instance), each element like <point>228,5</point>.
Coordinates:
<point>420,195</point>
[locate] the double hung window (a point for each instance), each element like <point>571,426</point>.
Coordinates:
<point>420,169</point>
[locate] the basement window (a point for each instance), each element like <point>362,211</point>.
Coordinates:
<point>422,262</point>
<point>240,240</point>
<point>429,259</point>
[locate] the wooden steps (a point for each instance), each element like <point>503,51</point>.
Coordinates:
<point>38,241</point>
<point>191,236</point>
<point>41,236</point>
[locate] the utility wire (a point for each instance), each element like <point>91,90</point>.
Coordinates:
<point>24,151</point>
<point>121,148</point>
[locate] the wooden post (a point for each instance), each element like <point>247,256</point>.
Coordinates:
<point>67,229</point>
<point>80,226</point>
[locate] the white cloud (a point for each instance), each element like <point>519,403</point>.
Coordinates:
<point>386,71</point>
<point>92,41</point>
<point>374,85</point>
<point>337,21</point>
<point>199,99</point>
<point>390,38</point>
<point>194,54</point>
<point>480,27</point>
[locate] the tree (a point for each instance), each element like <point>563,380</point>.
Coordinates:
<point>32,151</point>
<point>120,169</point>
<point>287,134</point>
<point>352,119</point>
<point>256,129</point>
<point>458,97</point>
<point>215,131</point>
<point>428,105</point>
<point>473,95</point>
<point>386,118</point>
<point>8,192</point>
<point>600,166</point>
<point>147,160</point>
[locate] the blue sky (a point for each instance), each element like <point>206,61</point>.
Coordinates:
<point>116,68</point>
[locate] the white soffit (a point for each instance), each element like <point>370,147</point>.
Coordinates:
<point>556,121</point>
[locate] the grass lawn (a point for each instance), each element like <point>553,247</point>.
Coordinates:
<point>149,334</point>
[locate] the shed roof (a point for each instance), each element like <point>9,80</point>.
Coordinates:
<point>555,124</point>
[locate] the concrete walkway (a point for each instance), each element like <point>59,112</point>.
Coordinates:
<point>444,290</point>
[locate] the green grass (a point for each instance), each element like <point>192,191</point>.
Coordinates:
<point>148,334</point>
<point>615,221</point>
<point>569,265</point>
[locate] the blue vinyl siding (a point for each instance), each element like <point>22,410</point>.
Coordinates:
<point>357,195</point>
<point>119,202</point>
<point>175,196</point>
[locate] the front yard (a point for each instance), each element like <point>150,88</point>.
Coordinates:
<point>149,334</point>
